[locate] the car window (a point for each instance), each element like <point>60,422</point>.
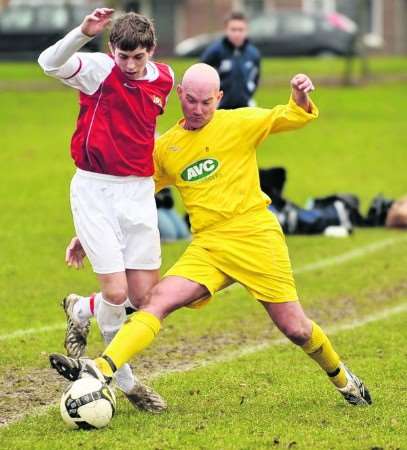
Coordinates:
<point>298,25</point>
<point>16,19</point>
<point>263,26</point>
<point>52,18</point>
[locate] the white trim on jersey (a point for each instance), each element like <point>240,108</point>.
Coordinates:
<point>152,72</point>
<point>173,82</point>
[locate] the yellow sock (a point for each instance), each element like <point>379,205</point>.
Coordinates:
<point>134,336</point>
<point>320,349</point>
<point>104,367</point>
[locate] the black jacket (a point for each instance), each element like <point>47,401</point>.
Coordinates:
<point>238,68</point>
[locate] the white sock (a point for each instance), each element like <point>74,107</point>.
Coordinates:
<point>96,302</point>
<point>110,318</point>
<point>128,304</point>
<point>125,378</point>
<point>81,311</point>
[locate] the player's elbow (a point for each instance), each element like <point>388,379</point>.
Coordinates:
<point>43,62</point>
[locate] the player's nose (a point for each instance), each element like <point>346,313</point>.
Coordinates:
<point>131,64</point>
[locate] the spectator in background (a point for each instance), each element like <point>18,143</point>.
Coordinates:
<point>171,225</point>
<point>237,61</point>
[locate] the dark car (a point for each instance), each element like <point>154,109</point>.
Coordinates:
<point>289,33</point>
<point>26,30</point>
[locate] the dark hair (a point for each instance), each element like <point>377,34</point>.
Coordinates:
<point>235,15</point>
<point>131,31</point>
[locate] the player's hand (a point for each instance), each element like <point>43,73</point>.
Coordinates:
<point>302,83</point>
<point>97,21</point>
<point>75,254</point>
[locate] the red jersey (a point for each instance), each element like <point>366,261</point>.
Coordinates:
<point>117,118</point>
<point>116,124</point>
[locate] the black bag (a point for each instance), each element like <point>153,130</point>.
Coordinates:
<point>377,213</point>
<point>272,183</point>
<point>350,201</point>
<point>163,199</point>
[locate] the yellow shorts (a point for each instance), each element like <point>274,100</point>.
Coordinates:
<point>250,250</point>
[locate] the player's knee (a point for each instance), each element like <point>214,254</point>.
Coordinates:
<point>158,302</point>
<point>116,295</point>
<point>299,332</point>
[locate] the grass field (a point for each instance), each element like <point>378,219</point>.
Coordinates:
<point>257,393</point>
<point>271,68</point>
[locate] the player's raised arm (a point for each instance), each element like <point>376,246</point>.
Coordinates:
<point>60,60</point>
<point>301,86</point>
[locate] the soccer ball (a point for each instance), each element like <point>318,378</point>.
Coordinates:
<point>87,403</point>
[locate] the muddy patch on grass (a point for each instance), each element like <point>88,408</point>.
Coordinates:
<point>23,391</point>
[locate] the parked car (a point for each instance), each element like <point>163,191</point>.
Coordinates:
<point>289,33</point>
<point>26,30</point>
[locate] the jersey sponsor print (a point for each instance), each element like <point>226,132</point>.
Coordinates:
<point>201,169</point>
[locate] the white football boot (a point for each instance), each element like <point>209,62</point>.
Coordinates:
<point>355,392</point>
<point>76,334</point>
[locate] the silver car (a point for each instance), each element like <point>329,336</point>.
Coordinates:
<point>289,33</point>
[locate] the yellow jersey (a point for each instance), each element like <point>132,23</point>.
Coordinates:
<point>215,167</point>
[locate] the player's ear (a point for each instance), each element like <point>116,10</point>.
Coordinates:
<point>220,95</point>
<point>179,90</point>
<point>111,48</point>
<point>151,52</point>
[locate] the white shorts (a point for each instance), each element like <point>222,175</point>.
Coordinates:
<point>116,221</point>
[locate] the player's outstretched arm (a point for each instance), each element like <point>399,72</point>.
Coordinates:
<point>75,254</point>
<point>301,86</point>
<point>59,60</point>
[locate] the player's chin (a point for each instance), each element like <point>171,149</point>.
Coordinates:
<point>198,122</point>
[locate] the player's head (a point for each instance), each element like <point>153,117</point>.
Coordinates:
<point>199,94</point>
<point>132,42</point>
<point>236,28</point>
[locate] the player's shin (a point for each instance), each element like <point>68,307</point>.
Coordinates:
<point>320,349</point>
<point>135,335</point>
<point>109,316</point>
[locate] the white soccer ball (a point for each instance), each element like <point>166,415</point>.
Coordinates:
<point>87,403</point>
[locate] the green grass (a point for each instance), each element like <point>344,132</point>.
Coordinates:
<point>276,68</point>
<point>272,399</point>
<point>358,145</point>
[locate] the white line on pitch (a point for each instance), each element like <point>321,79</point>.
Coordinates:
<point>27,331</point>
<point>321,264</point>
<point>352,254</point>
<point>330,330</point>
<point>230,356</point>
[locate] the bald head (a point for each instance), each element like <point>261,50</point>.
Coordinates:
<point>201,76</point>
<point>199,93</point>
